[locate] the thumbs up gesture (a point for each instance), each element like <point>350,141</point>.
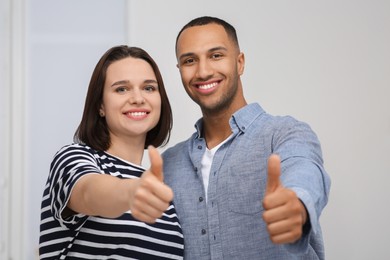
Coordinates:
<point>284,214</point>
<point>150,196</point>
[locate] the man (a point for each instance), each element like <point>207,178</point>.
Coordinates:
<point>247,185</point>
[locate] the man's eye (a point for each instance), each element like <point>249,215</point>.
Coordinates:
<point>188,61</point>
<point>216,55</point>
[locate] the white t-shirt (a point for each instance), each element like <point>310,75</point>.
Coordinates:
<point>207,160</point>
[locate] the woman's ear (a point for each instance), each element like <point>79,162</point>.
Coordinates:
<point>101,111</point>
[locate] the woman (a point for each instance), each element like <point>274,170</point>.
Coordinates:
<point>99,203</point>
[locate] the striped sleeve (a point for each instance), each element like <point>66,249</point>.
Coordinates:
<point>69,164</point>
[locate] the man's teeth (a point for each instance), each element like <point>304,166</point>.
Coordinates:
<point>207,86</point>
<point>135,114</point>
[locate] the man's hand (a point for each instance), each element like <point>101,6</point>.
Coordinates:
<point>150,196</point>
<point>284,213</point>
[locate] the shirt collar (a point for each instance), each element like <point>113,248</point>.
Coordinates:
<point>240,120</point>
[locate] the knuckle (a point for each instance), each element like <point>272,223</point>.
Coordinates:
<point>290,192</point>
<point>136,213</point>
<point>296,208</point>
<point>270,231</point>
<point>265,203</point>
<point>140,194</point>
<point>296,234</point>
<point>275,240</point>
<point>265,217</point>
<point>147,180</point>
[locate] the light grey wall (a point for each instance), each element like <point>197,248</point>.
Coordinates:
<point>65,41</point>
<point>326,63</point>
<point>4,111</point>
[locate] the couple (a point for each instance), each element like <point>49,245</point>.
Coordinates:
<point>245,185</point>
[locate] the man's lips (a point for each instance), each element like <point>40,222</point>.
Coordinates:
<point>207,87</point>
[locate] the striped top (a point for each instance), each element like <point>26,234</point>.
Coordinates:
<point>91,237</point>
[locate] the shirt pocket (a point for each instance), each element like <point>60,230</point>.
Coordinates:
<point>245,186</point>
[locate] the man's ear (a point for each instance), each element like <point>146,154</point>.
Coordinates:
<point>241,63</point>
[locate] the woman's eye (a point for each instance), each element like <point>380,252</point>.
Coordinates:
<point>120,89</point>
<point>150,88</point>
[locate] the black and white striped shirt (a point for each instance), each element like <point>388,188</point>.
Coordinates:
<point>90,237</point>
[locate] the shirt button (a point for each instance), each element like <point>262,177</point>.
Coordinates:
<point>203,231</point>
<point>200,199</point>
<point>199,147</point>
<point>196,169</point>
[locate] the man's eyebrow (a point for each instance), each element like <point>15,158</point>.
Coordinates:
<point>219,48</point>
<point>189,54</point>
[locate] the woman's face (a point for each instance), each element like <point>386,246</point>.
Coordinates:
<point>131,99</point>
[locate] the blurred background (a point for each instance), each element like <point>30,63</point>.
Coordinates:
<point>326,63</point>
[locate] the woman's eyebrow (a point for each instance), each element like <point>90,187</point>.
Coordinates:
<point>121,82</point>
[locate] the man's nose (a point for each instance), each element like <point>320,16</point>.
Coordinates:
<point>204,69</point>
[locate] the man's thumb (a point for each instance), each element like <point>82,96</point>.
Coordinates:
<point>274,171</point>
<point>156,163</point>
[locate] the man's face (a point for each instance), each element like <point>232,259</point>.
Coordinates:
<point>210,65</point>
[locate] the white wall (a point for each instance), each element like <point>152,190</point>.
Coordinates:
<point>64,42</point>
<point>12,126</point>
<point>4,111</point>
<point>326,63</point>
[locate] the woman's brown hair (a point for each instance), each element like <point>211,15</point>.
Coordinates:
<point>93,130</point>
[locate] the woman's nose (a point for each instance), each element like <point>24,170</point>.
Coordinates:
<point>136,97</point>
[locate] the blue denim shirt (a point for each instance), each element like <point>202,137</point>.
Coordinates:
<point>230,224</point>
